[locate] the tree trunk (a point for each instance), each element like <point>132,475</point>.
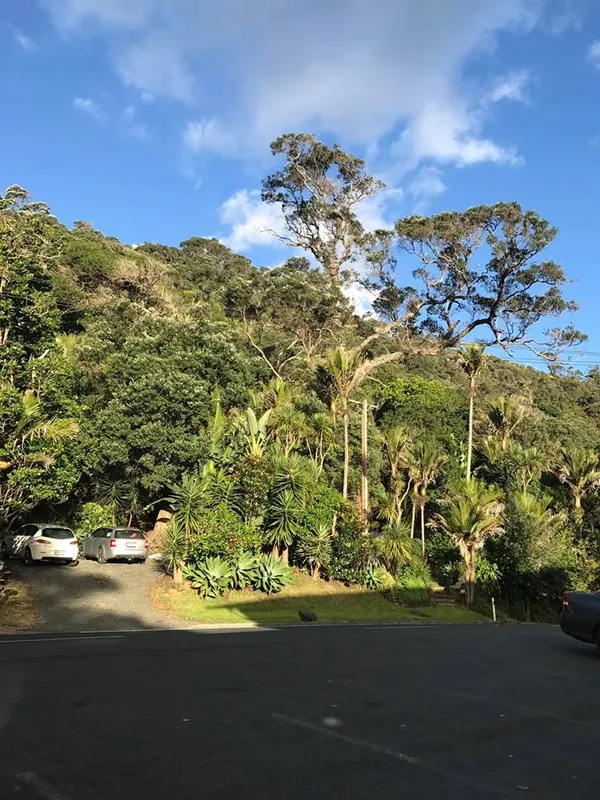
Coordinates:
<point>423,527</point>
<point>364,484</point>
<point>314,573</point>
<point>285,554</point>
<point>470,441</point>
<point>412,521</point>
<point>178,576</point>
<point>470,576</point>
<point>346,455</point>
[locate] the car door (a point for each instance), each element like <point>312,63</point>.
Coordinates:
<point>21,539</point>
<point>88,545</point>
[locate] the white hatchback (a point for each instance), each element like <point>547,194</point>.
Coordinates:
<point>40,541</point>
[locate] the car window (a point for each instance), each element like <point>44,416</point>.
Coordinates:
<point>128,533</point>
<point>97,532</point>
<point>27,530</point>
<point>58,533</point>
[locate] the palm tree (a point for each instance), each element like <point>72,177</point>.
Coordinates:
<point>472,515</point>
<point>542,522</point>
<point>504,415</point>
<point>31,426</point>
<point>471,360</point>
<point>187,498</point>
<point>529,463</point>
<point>579,469</point>
<point>397,445</point>
<point>425,463</point>
<point>395,546</point>
<point>344,366</point>
<point>318,437</point>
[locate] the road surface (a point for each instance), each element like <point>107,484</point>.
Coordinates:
<point>459,712</point>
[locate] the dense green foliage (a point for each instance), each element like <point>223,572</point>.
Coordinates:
<point>188,378</point>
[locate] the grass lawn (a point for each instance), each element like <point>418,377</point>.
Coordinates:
<point>331,601</point>
<point>17,611</point>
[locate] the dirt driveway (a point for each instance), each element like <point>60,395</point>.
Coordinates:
<point>93,597</point>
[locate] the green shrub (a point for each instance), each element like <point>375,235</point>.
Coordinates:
<point>325,503</point>
<point>272,574</point>
<point>413,584</point>
<point>222,534</point>
<point>443,558</point>
<point>91,517</point>
<point>210,577</point>
<point>377,578</point>
<point>313,549</point>
<point>351,551</point>
<point>244,570</point>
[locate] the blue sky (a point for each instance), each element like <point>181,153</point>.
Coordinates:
<point>152,120</point>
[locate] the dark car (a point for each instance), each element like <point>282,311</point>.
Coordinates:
<point>580,616</point>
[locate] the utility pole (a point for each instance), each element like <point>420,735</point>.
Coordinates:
<point>364,484</point>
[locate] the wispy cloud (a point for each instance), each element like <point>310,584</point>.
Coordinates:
<point>509,87</point>
<point>208,135</point>
<point>593,54</point>
<point>88,106</point>
<point>361,70</point>
<point>26,43</point>
<point>134,128</point>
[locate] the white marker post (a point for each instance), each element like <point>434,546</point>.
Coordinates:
<point>493,609</point>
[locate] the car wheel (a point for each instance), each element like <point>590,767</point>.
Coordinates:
<point>3,549</point>
<point>28,558</point>
<point>72,563</point>
<point>101,556</point>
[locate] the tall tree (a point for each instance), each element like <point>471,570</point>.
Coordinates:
<point>504,415</point>
<point>579,469</point>
<point>397,444</point>
<point>471,516</point>
<point>472,361</point>
<point>425,464</point>
<point>318,189</point>
<point>479,273</point>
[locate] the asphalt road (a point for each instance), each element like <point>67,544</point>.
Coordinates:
<point>457,712</point>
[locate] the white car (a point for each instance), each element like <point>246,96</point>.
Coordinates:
<point>40,541</point>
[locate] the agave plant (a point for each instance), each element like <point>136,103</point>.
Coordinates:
<point>272,574</point>
<point>210,577</point>
<point>244,571</point>
<point>377,578</point>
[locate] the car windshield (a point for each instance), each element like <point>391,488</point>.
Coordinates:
<point>128,533</point>
<point>58,533</point>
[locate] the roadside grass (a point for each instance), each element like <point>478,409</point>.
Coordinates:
<point>17,610</point>
<point>329,600</point>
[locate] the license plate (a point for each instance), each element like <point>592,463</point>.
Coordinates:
<point>131,545</point>
<point>59,552</point>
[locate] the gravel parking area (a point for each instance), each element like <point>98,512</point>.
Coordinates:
<point>92,596</point>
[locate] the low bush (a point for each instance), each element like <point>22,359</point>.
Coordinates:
<point>210,577</point>
<point>351,551</point>
<point>413,585</point>
<point>376,578</point>
<point>313,549</point>
<point>272,574</point>
<point>244,571</point>
<point>222,534</point>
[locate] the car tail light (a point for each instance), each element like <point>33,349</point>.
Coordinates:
<point>42,541</point>
<point>112,543</point>
<point>145,545</point>
<point>565,600</point>
<point>73,541</point>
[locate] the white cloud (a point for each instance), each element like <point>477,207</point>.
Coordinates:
<point>25,42</point>
<point>88,106</point>
<point>252,222</point>
<point>134,128</point>
<point>510,87</point>
<point>593,53</point>
<point>358,69</point>
<point>427,184</point>
<point>449,134</point>
<point>207,135</point>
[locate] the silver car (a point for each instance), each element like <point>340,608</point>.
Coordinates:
<point>116,544</point>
